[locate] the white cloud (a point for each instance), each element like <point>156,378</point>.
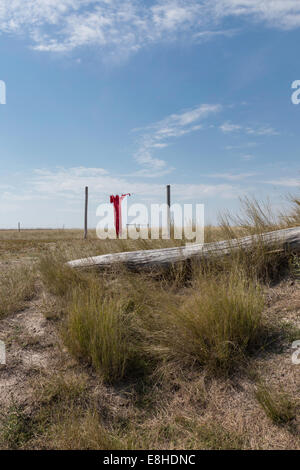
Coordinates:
<point>228,127</point>
<point>159,135</point>
<point>241,146</point>
<point>210,34</point>
<point>288,182</point>
<point>277,13</point>
<point>232,176</point>
<point>125,26</point>
<point>261,131</point>
<point>170,15</point>
<point>68,184</point>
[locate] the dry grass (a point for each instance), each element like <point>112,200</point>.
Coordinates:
<point>17,286</point>
<point>76,431</point>
<point>158,360</point>
<point>98,330</point>
<point>278,406</point>
<point>67,416</point>
<point>206,314</point>
<point>121,324</point>
<point>64,418</point>
<point>255,217</point>
<point>216,324</point>
<point>15,428</point>
<point>292,217</point>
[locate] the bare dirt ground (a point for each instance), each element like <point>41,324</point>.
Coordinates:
<point>32,346</point>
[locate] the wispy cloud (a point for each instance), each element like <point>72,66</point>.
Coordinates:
<point>228,127</point>
<point>160,134</point>
<point>288,182</point>
<point>68,184</point>
<point>261,131</point>
<point>125,26</point>
<point>283,14</point>
<point>211,34</point>
<point>241,146</point>
<point>119,25</point>
<point>231,176</point>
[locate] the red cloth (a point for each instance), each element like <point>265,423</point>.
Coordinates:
<point>117,202</point>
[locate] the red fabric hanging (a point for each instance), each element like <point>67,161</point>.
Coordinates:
<point>117,202</point>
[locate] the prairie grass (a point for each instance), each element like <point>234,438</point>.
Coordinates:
<point>278,406</point>
<point>268,263</point>
<point>292,217</point>
<point>215,437</point>
<point>138,329</point>
<point>57,276</point>
<point>255,217</point>
<point>99,330</point>
<point>122,323</point>
<point>157,359</point>
<point>64,418</point>
<point>181,431</point>
<point>295,266</point>
<point>16,428</point>
<point>77,430</point>
<point>67,417</point>
<point>61,389</point>
<point>215,324</point>
<point>208,314</point>
<point>17,286</point>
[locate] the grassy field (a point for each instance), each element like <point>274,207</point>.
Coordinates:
<point>195,357</point>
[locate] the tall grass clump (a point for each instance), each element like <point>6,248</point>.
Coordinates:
<point>255,217</point>
<point>292,219</point>
<point>17,285</point>
<point>100,316</point>
<point>99,330</point>
<point>216,325</point>
<point>59,278</point>
<point>266,262</point>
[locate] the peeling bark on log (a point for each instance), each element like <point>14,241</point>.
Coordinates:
<point>286,239</point>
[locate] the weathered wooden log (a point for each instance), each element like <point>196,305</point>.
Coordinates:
<point>286,239</point>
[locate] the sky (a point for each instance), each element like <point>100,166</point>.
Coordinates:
<point>126,96</point>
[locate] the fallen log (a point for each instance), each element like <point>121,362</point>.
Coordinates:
<point>286,239</point>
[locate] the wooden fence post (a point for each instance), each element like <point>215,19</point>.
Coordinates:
<point>169,210</point>
<point>86,212</point>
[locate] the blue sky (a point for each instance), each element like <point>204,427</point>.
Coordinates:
<point>128,96</point>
